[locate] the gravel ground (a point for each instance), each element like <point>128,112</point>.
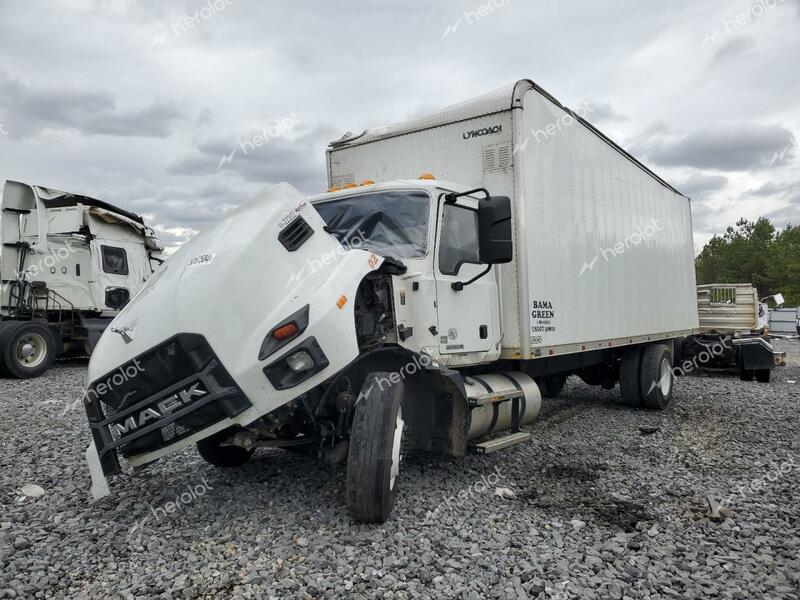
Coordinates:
<point>608,502</point>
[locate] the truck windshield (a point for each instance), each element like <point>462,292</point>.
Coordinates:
<point>393,224</point>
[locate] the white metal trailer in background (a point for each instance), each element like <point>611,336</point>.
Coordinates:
<point>603,246</point>
<point>784,321</point>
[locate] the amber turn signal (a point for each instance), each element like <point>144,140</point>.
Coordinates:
<point>287,331</point>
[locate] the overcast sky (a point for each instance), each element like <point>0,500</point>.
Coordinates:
<point>136,102</point>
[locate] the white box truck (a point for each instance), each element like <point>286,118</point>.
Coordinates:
<point>69,263</point>
<point>428,313</point>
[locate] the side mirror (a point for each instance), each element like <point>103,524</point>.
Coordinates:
<point>778,299</point>
<point>495,241</point>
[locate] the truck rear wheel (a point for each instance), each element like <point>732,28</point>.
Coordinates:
<point>656,377</point>
<point>763,375</point>
<point>27,349</point>
<point>373,463</point>
<point>225,457</point>
<point>629,377</point>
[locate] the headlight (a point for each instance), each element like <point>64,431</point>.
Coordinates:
<point>300,361</point>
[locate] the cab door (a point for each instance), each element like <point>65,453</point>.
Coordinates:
<point>468,319</point>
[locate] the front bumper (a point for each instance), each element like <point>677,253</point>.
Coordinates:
<point>162,396</point>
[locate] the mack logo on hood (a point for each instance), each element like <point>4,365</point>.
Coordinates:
<point>481,132</point>
<point>164,408</point>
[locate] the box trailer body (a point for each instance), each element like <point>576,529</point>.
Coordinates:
<point>430,312</point>
<point>603,247</point>
<point>69,263</point>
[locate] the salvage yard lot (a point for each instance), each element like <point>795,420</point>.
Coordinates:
<point>607,502</point>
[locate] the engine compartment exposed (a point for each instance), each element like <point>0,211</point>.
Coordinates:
<point>374,312</point>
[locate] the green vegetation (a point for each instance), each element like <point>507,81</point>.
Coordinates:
<point>754,252</point>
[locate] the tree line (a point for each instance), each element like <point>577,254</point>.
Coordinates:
<point>754,252</point>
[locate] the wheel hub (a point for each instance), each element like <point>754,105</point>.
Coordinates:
<point>31,350</point>
<point>665,379</point>
<point>396,444</point>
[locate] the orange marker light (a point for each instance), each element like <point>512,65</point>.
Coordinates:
<point>427,176</point>
<point>341,301</point>
<point>367,182</point>
<point>349,185</point>
<point>284,332</point>
<point>334,189</point>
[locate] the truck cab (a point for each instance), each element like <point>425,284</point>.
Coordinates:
<point>412,221</point>
<point>69,264</point>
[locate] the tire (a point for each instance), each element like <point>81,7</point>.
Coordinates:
<point>3,371</point>
<point>763,375</point>
<point>629,378</point>
<point>27,349</point>
<point>746,374</point>
<point>551,385</point>
<point>656,377</point>
<point>225,457</point>
<point>373,462</point>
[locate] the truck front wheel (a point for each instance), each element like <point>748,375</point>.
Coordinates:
<point>27,349</point>
<point>373,462</point>
<point>211,450</point>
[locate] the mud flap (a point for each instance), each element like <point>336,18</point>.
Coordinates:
<point>99,483</point>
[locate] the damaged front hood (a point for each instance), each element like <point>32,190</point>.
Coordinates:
<point>232,283</point>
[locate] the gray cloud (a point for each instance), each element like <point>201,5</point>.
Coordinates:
<point>732,49</point>
<point>786,215</point>
<point>298,160</point>
<point>93,107</point>
<point>33,108</point>
<point>772,188</point>
<point>699,186</point>
<point>745,146</point>
<point>604,112</point>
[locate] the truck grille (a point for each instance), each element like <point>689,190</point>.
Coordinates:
<point>160,397</point>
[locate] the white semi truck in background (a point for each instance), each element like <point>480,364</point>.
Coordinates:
<point>398,311</point>
<point>69,263</point>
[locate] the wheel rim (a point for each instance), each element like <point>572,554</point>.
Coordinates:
<point>31,350</point>
<point>665,381</point>
<point>396,443</point>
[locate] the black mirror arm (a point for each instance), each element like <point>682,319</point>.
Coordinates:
<point>460,285</point>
